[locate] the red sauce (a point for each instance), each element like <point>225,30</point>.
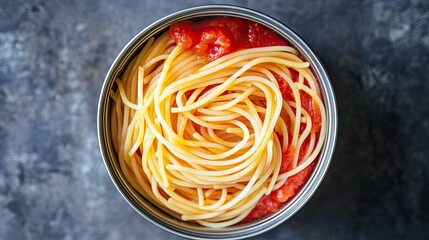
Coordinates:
<point>217,37</point>
<point>273,202</point>
<point>307,101</point>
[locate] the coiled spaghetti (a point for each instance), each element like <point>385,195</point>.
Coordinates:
<point>205,141</point>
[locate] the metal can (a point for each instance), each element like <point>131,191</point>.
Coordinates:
<point>188,229</point>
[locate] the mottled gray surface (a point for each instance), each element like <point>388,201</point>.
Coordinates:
<point>53,58</point>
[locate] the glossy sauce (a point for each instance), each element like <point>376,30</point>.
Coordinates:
<point>217,37</point>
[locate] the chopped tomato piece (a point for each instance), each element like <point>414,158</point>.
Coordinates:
<point>183,34</point>
<point>265,206</point>
<point>214,43</point>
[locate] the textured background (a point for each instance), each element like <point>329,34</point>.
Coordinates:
<point>54,56</point>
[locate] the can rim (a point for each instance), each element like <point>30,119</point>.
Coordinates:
<point>156,216</point>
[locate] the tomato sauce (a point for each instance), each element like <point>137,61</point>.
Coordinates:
<point>273,202</point>
<point>217,37</point>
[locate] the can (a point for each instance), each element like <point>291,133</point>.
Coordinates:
<point>188,229</point>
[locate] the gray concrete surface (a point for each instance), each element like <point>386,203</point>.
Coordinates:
<point>55,54</point>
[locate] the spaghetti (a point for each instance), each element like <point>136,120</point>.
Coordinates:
<point>209,140</point>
